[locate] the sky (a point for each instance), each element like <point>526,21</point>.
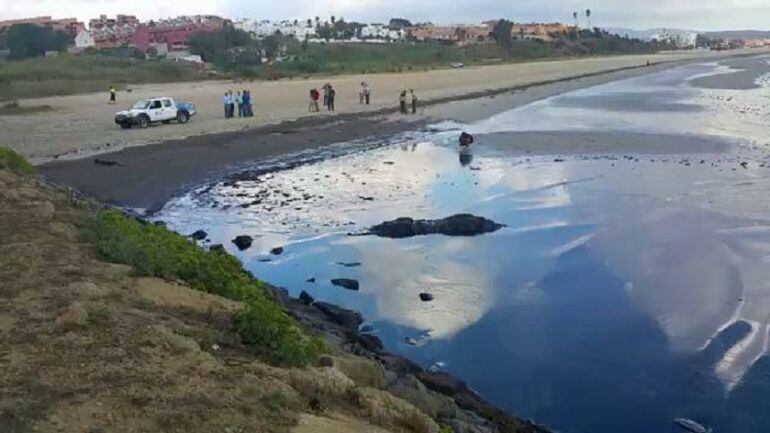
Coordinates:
<point>636,14</point>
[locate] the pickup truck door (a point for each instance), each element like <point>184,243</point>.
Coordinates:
<point>156,111</point>
<point>169,109</point>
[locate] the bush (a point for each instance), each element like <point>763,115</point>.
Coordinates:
<point>156,251</point>
<point>11,160</point>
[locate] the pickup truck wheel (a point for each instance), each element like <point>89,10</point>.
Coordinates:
<point>143,122</point>
<point>182,117</point>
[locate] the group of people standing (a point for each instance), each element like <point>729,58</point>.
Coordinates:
<point>364,98</point>
<point>403,102</point>
<point>241,101</point>
<point>330,94</point>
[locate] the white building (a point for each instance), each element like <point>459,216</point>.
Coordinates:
<point>298,29</point>
<point>678,39</point>
<point>382,32</point>
<point>84,39</point>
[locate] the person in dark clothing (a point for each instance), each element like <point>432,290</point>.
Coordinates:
<point>332,94</point>
<point>326,88</point>
<point>402,102</point>
<point>414,101</point>
<point>465,139</point>
<point>248,105</point>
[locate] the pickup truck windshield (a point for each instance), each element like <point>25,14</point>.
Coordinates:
<point>141,105</point>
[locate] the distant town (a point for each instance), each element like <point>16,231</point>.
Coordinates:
<point>169,37</point>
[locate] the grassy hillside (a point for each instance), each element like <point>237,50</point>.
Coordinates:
<point>354,58</point>
<point>68,74</point>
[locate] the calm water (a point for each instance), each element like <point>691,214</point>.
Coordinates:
<point>626,290</point>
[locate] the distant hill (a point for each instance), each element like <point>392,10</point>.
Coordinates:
<point>739,34</point>
<point>646,34</point>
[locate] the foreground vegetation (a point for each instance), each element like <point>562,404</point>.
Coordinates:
<point>155,251</point>
<point>70,74</point>
<point>158,252</point>
<point>14,162</point>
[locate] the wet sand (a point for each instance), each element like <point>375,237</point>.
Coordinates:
<point>145,177</point>
<point>83,124</point>
<point>747,72</point>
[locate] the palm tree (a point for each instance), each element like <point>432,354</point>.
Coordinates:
<point>575,16</point>
<point>588,17</point>
<point>333,19</point>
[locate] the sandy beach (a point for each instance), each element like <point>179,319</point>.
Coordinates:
<point>82,125</point>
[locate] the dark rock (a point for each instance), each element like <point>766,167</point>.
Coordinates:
<point>199,235</point>
<point>310,280</point>
<point>349,264</point>
<point>108,163</point>
<point>160,223</point>
<point>444,383</point>
<point>426,297</point>
<point>243,242</point>
<point>348,318</point>
<point>217,247</point>
<point>456,225</point>
<point>346,283</point>
<point>277,251</point>
<point>305,298</point>
<point>370,342</point>
<point>366,198</point>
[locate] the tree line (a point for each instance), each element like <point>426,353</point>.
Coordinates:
<point>29,40</point>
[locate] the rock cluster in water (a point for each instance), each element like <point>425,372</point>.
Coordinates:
<point>456,225</point>
<point>243,242</point>
<point>346,283</point>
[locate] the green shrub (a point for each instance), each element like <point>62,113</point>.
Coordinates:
<point>277,401</point>
<point>11,160</point>
<point>156,251</point>
<point>100,316</point>
<point>275,334</point>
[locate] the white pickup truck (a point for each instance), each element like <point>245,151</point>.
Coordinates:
<point>152,110</point>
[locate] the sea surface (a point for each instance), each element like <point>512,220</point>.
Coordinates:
<point>630,286</point>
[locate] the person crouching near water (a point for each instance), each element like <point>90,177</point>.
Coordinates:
<point>402,102</point>
<point>466,140</point>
